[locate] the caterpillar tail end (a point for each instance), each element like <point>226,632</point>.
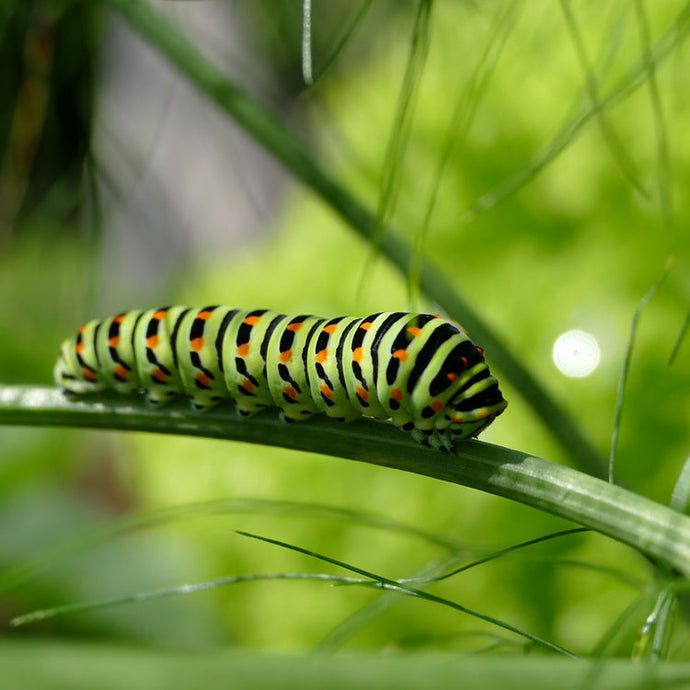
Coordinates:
<point>68,380</point>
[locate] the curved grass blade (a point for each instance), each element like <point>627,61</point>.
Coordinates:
<point>498,554</point>
<point>680,339</point>
<point>625,622</point>
<point>169,592</point>
<point>386,583</point>
<point>654,640</point>
<point>626,368</point>
<point>354,623</point>
<point>680,498</point>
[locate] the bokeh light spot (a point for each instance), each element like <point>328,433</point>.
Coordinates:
<point>576,353</point>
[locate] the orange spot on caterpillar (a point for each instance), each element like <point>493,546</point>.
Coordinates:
<point>438,316</point>
<point>82,329</point>
<point>160,314</point>
<point>357,354</point>
<point>114,341</point>
<point>204,315</point>
<point>397,394</point>
<point>321,356</point>
<point>362,392</point>
<point>457,419</point>
<point>159,375</point>
<point>436,405</point>
<point>80,347</point>
<point>119,318</point>
<point>291,392</point>
<point>152,341</point>
<point>414,331</point>
<point>294,327</point>
<point>400,354</point>
<point>248,386</point>
<point>330,328</point>
<point>252,320</point>
<point>452,376</point>
<point>203,379</point>
<point>243,350</point>
<point>480,350</point>
<point>464,361</point>
<point>366,326</point>
<point>196,344</point>
<point>286,356</point>
<point>326,391</point>
<point>120,372</point>
<point>88,374</point>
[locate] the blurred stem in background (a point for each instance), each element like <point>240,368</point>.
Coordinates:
<point>48,58</point>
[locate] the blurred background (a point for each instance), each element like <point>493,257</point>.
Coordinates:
<point>122,186</point>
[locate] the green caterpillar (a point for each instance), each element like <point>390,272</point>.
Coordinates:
<point>418,370</point>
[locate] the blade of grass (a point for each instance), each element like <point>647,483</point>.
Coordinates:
<point>386,583</point>
<point>358,620</point>
<point>680,339</point>
<point>656,530</point>
<point>140,597</point>
<point>625,622</point>
<point>160,33</point>
<point>680,498</point>
<point>498,554</point>
<point>372,579</point>
<point>654,638</point>
<point>626,368</point>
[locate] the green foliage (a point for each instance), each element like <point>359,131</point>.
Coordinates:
<point>540,174</point>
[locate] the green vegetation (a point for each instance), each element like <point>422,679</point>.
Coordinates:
<point>519,166</point>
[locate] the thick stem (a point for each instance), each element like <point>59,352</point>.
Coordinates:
<point>654,529</point>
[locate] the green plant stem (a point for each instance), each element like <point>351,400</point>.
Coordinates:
<point>160,33</point>
<point>656,530</point>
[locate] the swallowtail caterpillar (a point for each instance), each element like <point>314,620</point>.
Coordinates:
<point>418,370</point>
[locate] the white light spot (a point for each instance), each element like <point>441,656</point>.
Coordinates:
<point>576,353</point>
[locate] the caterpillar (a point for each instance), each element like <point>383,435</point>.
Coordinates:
<point>418,370</point>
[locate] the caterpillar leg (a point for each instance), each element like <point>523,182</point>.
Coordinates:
<point>156,398</point>
<point>246,407</point>
<point>432,438</point>
<point>295,415</point>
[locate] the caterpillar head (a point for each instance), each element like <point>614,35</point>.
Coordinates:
<point>475,408</point>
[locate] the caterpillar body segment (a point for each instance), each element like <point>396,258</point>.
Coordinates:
<point>418,370</point>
